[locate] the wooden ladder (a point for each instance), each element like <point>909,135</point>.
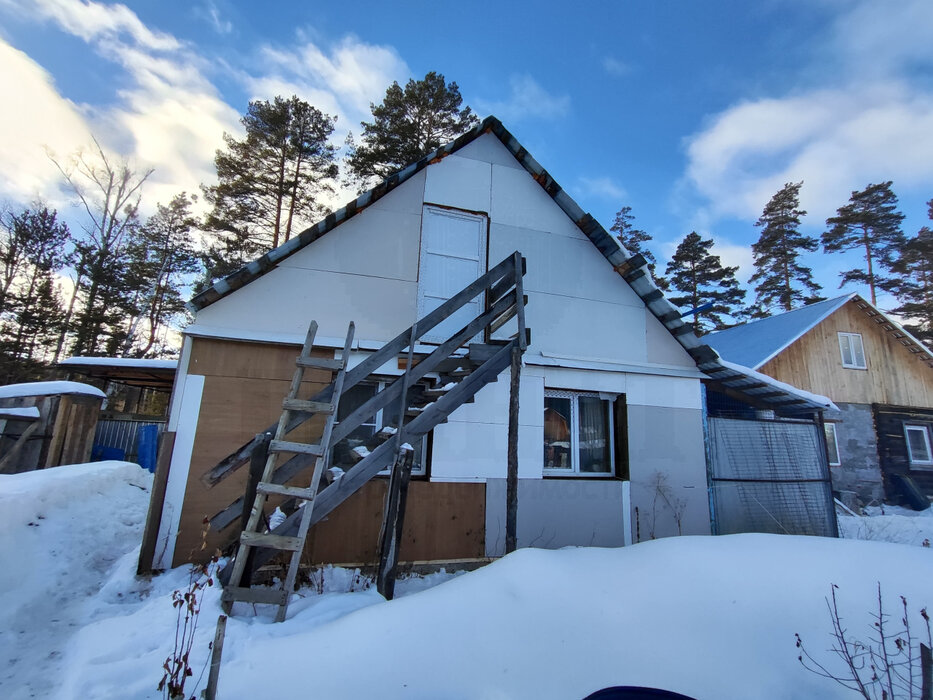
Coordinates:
<point>252,536</point>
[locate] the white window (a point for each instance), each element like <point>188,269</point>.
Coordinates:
<point>918,445</point>
<point>361,438</point>
<point>578,435</point>
<point>832,445</point>
<point>453,254</point>
<point>853,352</point>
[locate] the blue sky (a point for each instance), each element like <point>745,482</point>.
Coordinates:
<point>693,113</point>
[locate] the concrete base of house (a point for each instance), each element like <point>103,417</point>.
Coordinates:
<point>857,481</point>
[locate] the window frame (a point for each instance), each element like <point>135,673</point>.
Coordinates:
<point>851,338</point>
<point>923,429</point>
<point>830,428</point>
<point>574,471</point>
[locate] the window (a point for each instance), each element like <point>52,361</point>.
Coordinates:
<point>362,436</point>
<point>578,434</point>
<point>853,352</point>
<point>918,445</point>
<point>832,445</point>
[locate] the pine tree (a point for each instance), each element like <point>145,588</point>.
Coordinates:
<point>407,125</point>
<point>269,182</point>
<point>872,223</point>
<point>632,239</point>
<point>778,274</point>
<point>163,257</point>
<point>32,249</point>
<point>915,291</point>
<point>702,279</point>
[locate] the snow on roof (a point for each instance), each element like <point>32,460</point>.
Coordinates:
<point>815,400</point>
<point>753,344</point>
<point>13,413</point>
<point>48,389</point>
<point>121,362</point>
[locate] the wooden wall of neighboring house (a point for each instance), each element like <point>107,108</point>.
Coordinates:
<point>894,374</point>
<point>244,386</point>
<point>892,445</point>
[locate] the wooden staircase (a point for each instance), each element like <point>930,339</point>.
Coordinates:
<point>436,381</point>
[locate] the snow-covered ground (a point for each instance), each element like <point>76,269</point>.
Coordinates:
<point>707,617</point>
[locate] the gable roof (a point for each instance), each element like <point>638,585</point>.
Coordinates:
<point>755,344</point>
<point>633,269</point>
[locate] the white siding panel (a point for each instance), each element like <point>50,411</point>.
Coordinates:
<point>583,380</point>
<point>286,299</point>
<point>671,392</point>
<point>561,265</point>
<point>517,200</point>
<point>479,451</point>
<point>586,328</point>
<point>375,242</point>
<point>488,148</point>
<point>663,348</point>
<point>407,197</point>
<point>459,182</point>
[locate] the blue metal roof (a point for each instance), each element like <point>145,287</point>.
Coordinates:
<point>753,344</point>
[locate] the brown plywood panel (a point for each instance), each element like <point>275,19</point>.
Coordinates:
<point>894,374</point>
<point>442,521</point>
<point>228,358</point>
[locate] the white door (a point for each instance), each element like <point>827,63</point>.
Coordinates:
<point>453,254</point>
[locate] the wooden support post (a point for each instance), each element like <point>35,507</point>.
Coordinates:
<point>217,650</point>
<point>390,538</point>
<point>926,672</point>
<point>156,503</point>
<point>511,508</point>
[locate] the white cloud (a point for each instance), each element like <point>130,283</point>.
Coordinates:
<point>341,81</point>
<point>93,20</point>
<point>603,187</point>
<point>871,120</point>
<point>527,99</point>
<point>35,118</point>
<point>614,66</point>
<point>211,12</point>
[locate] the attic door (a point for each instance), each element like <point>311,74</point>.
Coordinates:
<point>453,254</point>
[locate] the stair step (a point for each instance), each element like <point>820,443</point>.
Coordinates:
<point>261,596</point>
<point>297,447</point>
<point>307,406</point>
<point>319,363</point>
<point>280,490</point>
<point>260,539</point>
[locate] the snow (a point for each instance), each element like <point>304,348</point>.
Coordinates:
<point>11,391</point>
<point>889,524</point>
<point>816,399</point>
<point>10,413</point>
<point>361,450</point>
<point>710,617</point>
<point>129,362</point>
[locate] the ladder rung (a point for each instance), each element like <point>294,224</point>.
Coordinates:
<point>297,447</point>
<point>307,406</point>
<point>257,539</point>
<point>262,596</point>
<point>319,362</point>
<point>279,490</point>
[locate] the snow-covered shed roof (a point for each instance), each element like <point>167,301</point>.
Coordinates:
<point>155,374</point>
<point>632,268</point>
<point>11,391</point>
<point>756,343</point>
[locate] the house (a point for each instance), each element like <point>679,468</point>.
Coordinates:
<point>611,399</point>
<point>879,376</point>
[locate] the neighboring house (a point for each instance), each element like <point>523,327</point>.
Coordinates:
<point>611,402</point>
<point>879,376</point>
